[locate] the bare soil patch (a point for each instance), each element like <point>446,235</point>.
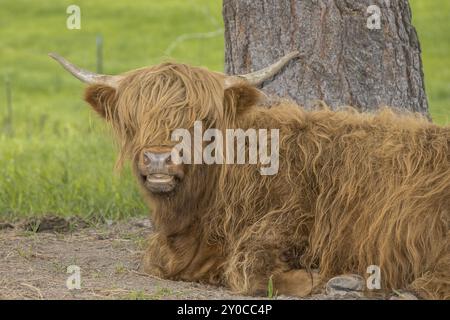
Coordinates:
<point>35,254</point>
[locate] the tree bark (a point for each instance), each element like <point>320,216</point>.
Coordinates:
<point>344,62</point>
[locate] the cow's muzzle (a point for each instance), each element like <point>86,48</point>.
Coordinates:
<point>158,172</point>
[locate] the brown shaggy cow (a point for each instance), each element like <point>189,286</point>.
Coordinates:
<point>352,190</point>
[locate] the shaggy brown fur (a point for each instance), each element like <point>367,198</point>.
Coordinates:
<point>352,190</point>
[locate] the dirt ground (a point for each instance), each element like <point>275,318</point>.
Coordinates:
<point>35,254</point>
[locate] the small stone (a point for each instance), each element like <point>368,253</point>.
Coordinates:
<point>143,223</point>
<point>403,295</point>
<point>345,284</point>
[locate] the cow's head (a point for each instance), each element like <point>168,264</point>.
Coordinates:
<point>144,106</point>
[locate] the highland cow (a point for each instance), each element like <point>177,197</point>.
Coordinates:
<point>352,190</point>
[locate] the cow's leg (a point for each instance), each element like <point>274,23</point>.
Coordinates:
<point>185,259</point>
<point>251,266</point>
<point>155,261</point>
<point>298,283</point>
<point>165,257</point>
<point>435,284</point>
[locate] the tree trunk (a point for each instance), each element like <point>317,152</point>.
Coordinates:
<point>346,58</point>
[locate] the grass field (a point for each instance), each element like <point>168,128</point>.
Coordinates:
<point>55,155</point>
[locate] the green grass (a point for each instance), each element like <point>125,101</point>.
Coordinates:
<point>432,22</point>
<point>58,157</point>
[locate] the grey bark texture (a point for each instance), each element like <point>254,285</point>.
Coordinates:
<point>343,63</point>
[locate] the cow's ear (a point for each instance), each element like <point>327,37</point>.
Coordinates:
<point>240,97</point>
<point>102,98</point>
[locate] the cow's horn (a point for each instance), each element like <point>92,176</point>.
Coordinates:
<point>258,77</point>
<point>86,76</point>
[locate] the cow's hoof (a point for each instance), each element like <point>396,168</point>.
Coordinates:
<point>345,284</point>
<point>403,295</point>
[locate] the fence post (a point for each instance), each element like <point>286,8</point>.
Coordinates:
<point>9,110</point>
<point>99,45</point>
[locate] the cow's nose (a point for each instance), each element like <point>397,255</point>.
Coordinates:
<point>157,160</point>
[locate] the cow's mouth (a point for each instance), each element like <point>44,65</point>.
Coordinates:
<point>160,182</point>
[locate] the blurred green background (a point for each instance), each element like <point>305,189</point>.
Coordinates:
<point>55,155</point>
